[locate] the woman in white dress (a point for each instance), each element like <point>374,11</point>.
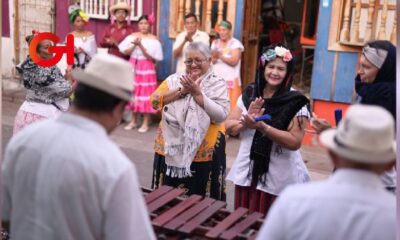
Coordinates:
<point>144,50</point>
<point>227,54</point>
<point>269,158</point>
<point>84,41</point>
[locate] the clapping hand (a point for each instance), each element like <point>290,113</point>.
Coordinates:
<point>319,124</point>
<point>256,107</point>
<point>215,53</point>
<point>188,38</point>
<point>191,84</point>
<point>255,110</point>
<point>79,50</point>
<point>112,41</point>
<point>137,41</point>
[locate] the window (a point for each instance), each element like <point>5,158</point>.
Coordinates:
<point>99,9</point>
<point>355,22</point>
<point>137,9</point>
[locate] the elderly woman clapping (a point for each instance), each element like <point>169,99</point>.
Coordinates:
<point>190,144</point>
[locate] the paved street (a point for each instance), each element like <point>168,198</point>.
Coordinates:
<point>139,147</point>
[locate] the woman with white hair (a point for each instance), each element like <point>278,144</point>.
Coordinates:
<point>190,144</point>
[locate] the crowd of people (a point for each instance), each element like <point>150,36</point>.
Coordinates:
<point>55,188</point>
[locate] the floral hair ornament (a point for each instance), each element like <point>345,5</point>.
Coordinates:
<point>271,54</point>
<point>151,19</point>
<point>78,13</point>
<point>84,16</point>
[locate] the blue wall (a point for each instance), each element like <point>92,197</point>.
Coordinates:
<point>323,70</point>
<point>167,66</point>
<point>239,19</point>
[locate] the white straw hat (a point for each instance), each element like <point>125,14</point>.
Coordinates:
<point>107,73</point>
<point>120,5</point>
<point>365,135</point>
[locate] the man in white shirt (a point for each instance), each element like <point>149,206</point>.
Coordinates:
<point>353,203</point>
<point>191,34</point>
<point>65,178</point>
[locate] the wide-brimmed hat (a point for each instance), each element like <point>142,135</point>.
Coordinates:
<point>109,74</point>
<point>120,5</point>
<point>365,135</point>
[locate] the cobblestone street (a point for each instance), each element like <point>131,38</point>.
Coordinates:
<point>139,147</point>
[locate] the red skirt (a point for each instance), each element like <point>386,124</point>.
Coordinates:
<point>253,199</point>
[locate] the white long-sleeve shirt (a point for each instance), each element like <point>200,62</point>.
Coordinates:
<point>199,36</point>
<point>65,179</point>
<point>351,204</point>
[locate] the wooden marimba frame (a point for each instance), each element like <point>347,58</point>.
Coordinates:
<point>195,217</point>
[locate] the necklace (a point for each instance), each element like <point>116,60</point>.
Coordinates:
<point>81,35</point>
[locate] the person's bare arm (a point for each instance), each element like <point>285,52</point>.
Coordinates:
<point>145,53</point>
<point>233,124</point>
<point>234,59</point>
<point>319,124</point>
<point>214,56</point>
<point>129,51</point>
<point>290,139</point>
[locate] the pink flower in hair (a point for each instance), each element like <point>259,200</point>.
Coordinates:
<point>287,56</point>
<point>151,19</point>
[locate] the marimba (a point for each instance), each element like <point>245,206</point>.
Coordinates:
<point>197,217</point>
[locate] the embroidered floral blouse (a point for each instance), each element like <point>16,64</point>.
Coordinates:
<point>205,152</point>
<point>43,84</point>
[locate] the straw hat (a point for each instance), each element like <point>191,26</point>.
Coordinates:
<point>109,74</point>
<point>366,135</point>
<point>120,5</point>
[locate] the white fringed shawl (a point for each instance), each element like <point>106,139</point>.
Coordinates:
<point>185,123</point>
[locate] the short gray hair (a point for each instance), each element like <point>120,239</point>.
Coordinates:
<point>198,46</point>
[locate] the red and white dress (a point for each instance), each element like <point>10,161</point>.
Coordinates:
<point>145,79</point>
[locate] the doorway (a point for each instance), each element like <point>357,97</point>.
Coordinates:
<point>291,22</point>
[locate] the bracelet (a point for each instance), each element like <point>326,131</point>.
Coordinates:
<point>181,95</point>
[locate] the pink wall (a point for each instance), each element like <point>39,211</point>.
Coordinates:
<point>95,25</point>
<point>5,20</point>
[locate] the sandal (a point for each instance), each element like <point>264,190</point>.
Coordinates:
<point>143,129</point>
<point>130,126</point>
